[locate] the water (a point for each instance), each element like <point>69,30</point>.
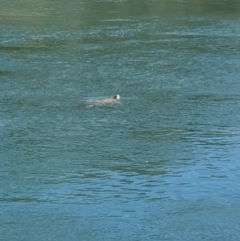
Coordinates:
<point>163,164</point>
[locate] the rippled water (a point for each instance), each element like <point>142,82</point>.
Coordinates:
<point>161,165</point>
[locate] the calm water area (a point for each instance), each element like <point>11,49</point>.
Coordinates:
<point>163,164</point>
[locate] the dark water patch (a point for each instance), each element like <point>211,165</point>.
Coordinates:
<point>209,98</point>
<point>5,73</point>
<point>35,46</point>
<point>20,199</point>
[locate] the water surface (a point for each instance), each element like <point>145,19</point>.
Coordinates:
<point>163,164</point>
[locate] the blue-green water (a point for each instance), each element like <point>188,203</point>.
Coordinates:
<point>164,164</point>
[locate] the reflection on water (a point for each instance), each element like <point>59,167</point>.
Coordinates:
<point>163,164</point>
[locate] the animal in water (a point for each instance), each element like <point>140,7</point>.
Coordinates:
<point>103,101</point>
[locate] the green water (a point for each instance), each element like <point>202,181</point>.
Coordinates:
<point>164,164</point>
